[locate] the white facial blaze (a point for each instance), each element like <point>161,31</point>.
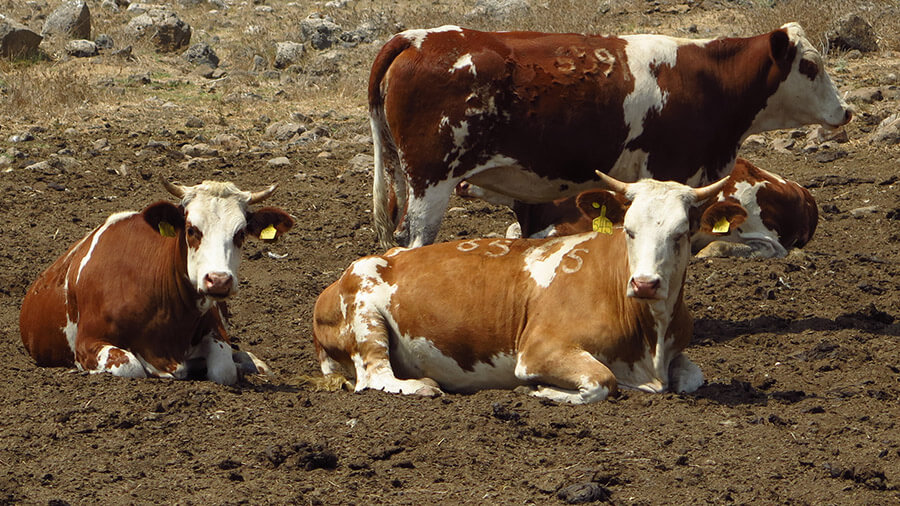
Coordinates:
<point>218,211</point>
<point>658,216</point>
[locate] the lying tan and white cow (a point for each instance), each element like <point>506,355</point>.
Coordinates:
<point>575,317</point>
<point>143,294</point>
<point>533,115</point>
<point>773,215</point>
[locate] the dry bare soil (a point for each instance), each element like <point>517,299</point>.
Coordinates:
<point>801,355</point>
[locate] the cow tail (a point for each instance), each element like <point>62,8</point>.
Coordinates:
<point>387,197</point>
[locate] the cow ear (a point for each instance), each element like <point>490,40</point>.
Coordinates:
<point>594,203</point>
<point>268,223</point>
<point>779,44</point>
<point>165,217</point>
<point>722,217</point>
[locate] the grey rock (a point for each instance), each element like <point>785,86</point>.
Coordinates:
<point>201,54</point>
<point>499,9</point>
<point>22,137</point>
<point>109,6</point>
<point>888,131</point>
<point>861,212</point>
<point>104,41</point>
<point>137,9</point>
<point>281,161</point>
<point>17,40</point>
<point>166,30</point>
<point>284,130</point>
<point>199,150</point>
<point>194,122</point>
<point>866,95</point>
<point>853,32</point>
<point>288,53</point>
<point>321,31</point>
<point>80,48</point>
<point>362,163</point>
<point>71,19</point>
<point>783,145</point>
<point>259,63</point>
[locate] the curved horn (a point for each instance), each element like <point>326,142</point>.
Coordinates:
<point>262,194</point>
<point>612,183</point>
<point>710,190</point>
<point>172,188</point>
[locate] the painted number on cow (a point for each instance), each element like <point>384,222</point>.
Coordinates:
<point>575,262</point>
<point>495,248</point>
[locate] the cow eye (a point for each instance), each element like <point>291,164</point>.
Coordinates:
<point>239,238</point>
<point>193,232</point>
<point>630,233</point>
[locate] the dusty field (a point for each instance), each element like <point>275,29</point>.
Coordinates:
<point>801,355</point>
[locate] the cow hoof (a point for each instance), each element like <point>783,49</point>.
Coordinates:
<point>430,388</point>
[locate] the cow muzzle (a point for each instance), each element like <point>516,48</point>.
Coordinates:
<point>218,284</point>
<point>644,287</point>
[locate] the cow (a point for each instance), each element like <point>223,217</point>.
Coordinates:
<point>143,295</point>
<point>532,115</point>
<point>774,215</point>
<point>572,318</point>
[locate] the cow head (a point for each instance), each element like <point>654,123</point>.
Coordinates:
<point>214,219</point>
<point>805,93</point>
<point>656,219</point>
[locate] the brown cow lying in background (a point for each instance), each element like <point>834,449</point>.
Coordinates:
<point>774,215</point>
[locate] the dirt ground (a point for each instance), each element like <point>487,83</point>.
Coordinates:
<point>801,355</point>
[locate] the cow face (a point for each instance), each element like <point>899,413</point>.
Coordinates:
<point>657,225</point>
<point>806,95</point>
<point>216,222</point>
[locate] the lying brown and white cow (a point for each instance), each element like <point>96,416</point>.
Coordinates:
<point>532,115</point>
<point>573,316</point>
<point>773,215</point>
<point>143,294</point>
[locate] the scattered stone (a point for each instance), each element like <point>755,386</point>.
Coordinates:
<point>755,140</point>
<point>166,30</point>
<point>194,122</point>
<point>229,141</point>
<point>866,95</point>
<point>320,30</point>
<point>109,5</point>
<point>104,41</point>
<point>101,144</point>
<point>581,493</point>
<point>501,10</point>
<point>861,212</point>
<point>830,155</point>
<point>821,134</point>
<point>81,48</point>
<point>362,162</point>
<point>288,53</point>
<point>17,40</point>
<point>23,137</point>
<point>284,130</point>
<point>124,53</point>
<point>888,131</point>
<point>71,19</point>
<point>279,162</point>
<point>199,150</point>
<point>783,145</point>
<point>853,32</point>
<point>201,54</point>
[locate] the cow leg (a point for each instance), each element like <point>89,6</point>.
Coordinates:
<point>220,366</point>
<point>572,375</point>
<point>103,357</point>
<point>684,375</point>
<point>248,363</point>
<point>424,213</point>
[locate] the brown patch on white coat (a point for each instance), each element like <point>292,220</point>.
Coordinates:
<point>143,294</point>
<point>575,317</point>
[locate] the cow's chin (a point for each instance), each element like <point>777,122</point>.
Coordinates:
<point>644,296</point>
<point>216,296</point>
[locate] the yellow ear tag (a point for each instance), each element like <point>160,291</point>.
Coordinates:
<point>722,226</point>
<point>601,223</point>
<point>267,233</point>
<point>166,229</point>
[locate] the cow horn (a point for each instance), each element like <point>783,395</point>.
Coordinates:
<point>710,190</point>
<point>262,194</point>
<point>612,183</point>
<point>174,189</point>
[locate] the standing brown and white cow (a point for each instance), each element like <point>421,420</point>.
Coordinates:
<point>533,115</point>
<point>573,316</point>
<point>764,215</point>
<point>143,294</point>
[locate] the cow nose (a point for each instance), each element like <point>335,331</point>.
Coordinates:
<point>645,287</point>
<point>848,115</point>
<point>218,283</point>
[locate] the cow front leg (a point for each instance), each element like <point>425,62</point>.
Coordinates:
<point>102,357</point>
<point>373,364</point>
<point>220,366</point>
<point>573,375</point>
<point>684,375</point>
<point>424,213</point>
